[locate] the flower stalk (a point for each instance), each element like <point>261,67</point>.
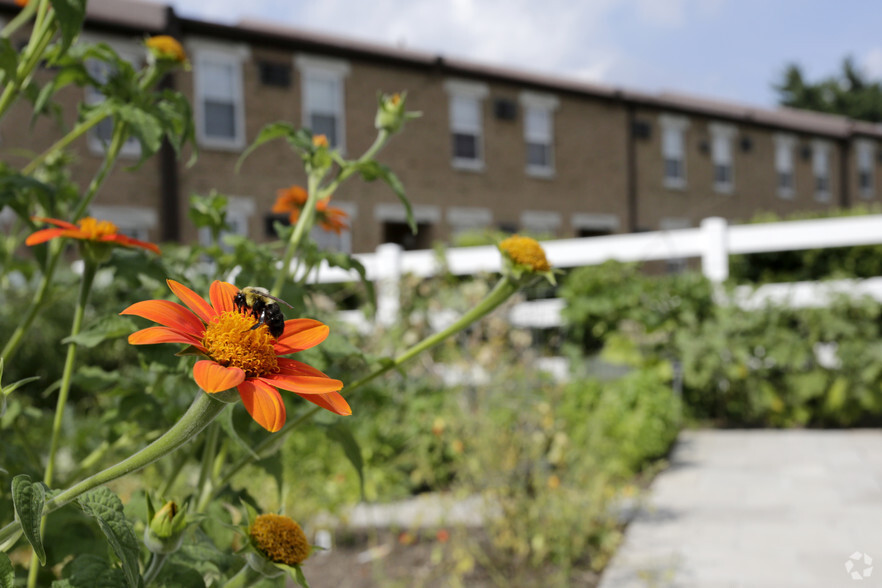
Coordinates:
<point>205,408</point>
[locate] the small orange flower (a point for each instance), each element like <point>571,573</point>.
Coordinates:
<point>238,356</point>
<point>21,3</point>
<point>294,198</point>
<point>89,229</point>
<point>166,47</point>
<point>280,539</point>
<point>526,252</point>
<point>320,140</point>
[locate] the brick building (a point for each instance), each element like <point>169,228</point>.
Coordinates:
<point>494,148</point>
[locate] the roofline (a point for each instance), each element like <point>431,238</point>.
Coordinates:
<point>270,34</point>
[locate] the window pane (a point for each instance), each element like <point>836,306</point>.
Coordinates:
<point>672,143</point>
<point>465,114</point>
<point>673,169</point>
<point>865,181</point>
<point>322,95</point>
<point>538,154</point>
<point>220,119</point>
<point>324,124</point>
<point>465,146</point>
<point>722,174</point>
<point>785,180</point>
<point>537,124</point>
<point>104,130</point>
<point>217,80</point>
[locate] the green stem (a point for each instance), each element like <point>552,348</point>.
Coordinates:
<point>314,194</point>
<point>155,566</point>
<point>205,408</point>
<point>75,133</point>
<point>36,305</point>
<point>67,375</point>
<point>41,36</point>
<point>208,453</point>
<point>305,221</point>
<point>500,293</point>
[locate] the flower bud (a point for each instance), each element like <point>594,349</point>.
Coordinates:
<point>279,539</point>
<point>391,115</point>
<point>166,48</point>
<point>166,529</point>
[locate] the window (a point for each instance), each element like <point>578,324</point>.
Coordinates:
<point>220,105</point>
<point>393,219</point>
<point>866,154</point>
<point>539,132</point>
<point>821,169</point>
<point>466,123</point>
<point>721,155</point>
<point>465,219</point>
<point>101,134</point>
<point>784,146</point>
<point>594,225</point>
<point>540,223</point>
<point>323,98</point>
<point>674,150</point>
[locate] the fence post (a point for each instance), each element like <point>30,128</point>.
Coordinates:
<point>715,254</point>
<point>388,283</point>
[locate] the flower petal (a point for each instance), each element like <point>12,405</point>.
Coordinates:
<point>43,235</point>
<point>301,334</point>
<point>152,335</point>
<point>194,301</point>
<point>332,402</point>
<point>263,403</point>
<point>129,242</point>
<point>55,221</point>
<point>213,377</point>
<point>222,294</point>
<point>168,314</point>
<point>308,385</point>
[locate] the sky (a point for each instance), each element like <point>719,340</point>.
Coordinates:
<point>733,50</point>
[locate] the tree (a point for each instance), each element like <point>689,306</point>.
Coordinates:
<point>849,93</point>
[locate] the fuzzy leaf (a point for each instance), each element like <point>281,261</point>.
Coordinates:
<point>267,133</point>
<point>340,433</point>
<point>70,14</point>
<point>107,509</point>
<point>28,499</point>
<point>91,571</point>
<point>7,574</point>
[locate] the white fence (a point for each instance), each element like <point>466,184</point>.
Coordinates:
<point>713,242</point>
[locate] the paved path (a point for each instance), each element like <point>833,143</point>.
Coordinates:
<point>759,509</point>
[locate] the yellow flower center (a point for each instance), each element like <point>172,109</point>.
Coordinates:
<point>231,342</point>
<point>95,229</point>
<point>395,99</point>
<point>525,251</point>
<point>280,539</point>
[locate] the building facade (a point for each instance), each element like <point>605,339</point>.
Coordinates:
<point>494,148</point>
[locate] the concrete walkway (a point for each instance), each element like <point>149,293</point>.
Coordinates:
<point>760,509</point>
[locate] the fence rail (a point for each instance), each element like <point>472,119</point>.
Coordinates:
<point>713,241</point>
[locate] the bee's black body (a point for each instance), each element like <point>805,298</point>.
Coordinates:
<point>263,307</point>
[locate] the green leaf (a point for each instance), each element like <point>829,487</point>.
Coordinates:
<point>372,170</point>
<point>341,433</point>
<point>7,574</point>
<point>8,59</point>
<point>91,571</point>
<point>178,576</point>
<point>108,327</point>
<point>268,133</point>
<point>70,14</point>
<point>107,509</point>
<point>143,125</point>
<point>28,499</point>
<point>296,574</point>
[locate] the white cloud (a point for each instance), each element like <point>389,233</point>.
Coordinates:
<point>873,63</point>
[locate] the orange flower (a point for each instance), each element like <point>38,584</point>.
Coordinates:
<point>166,47</point>
<point>89,229</point>
<point>21,2</point>
<point>294,198</point>
<point>320,141</point>
<point>238,356</point>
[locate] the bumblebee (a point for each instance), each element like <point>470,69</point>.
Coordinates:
<point>264,307</point>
